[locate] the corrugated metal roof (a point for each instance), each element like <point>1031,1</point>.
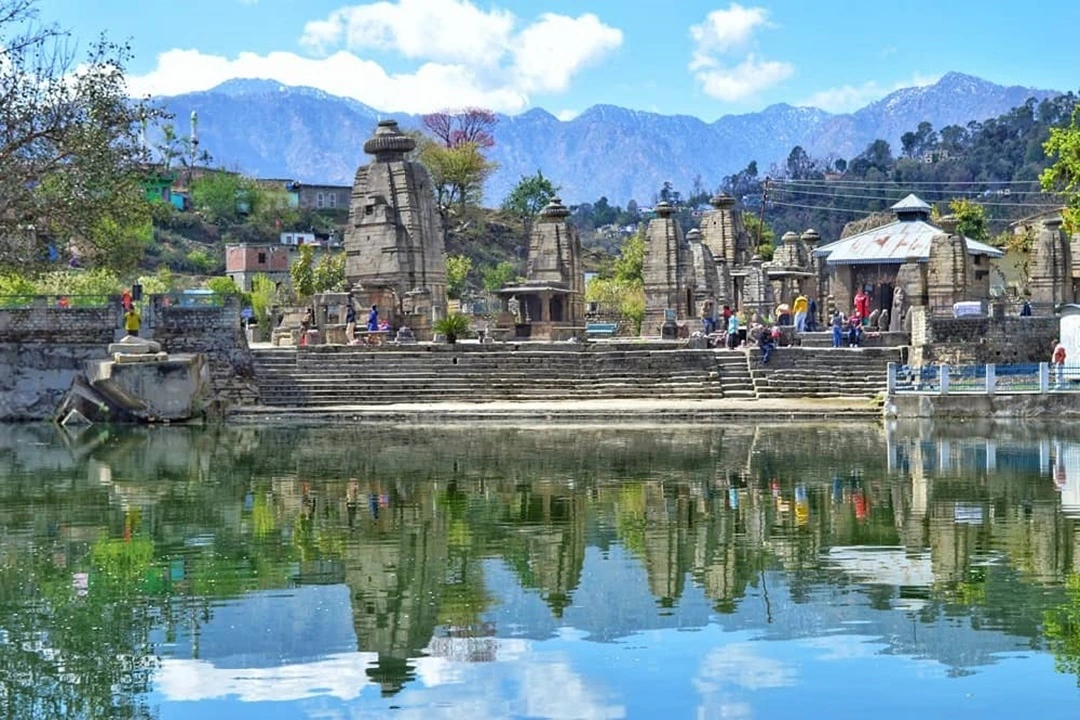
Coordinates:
<point>911,202</point>
<point>892,243</point>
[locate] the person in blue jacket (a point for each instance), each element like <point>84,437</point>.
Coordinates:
<point>373,319</point>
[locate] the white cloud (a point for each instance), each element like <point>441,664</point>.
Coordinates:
<point>430,87</point>
<point>465,55</point>
<point>439,30</point>
<point>846,98</point>
<point>743,80</point>
<point>724,31</point>
<point>341,676</point>
<point>567,115</point>
<point>718,39</point>
<point>550,51</point>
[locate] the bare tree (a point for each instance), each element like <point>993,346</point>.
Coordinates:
<point>71,150</point>
<point>458,127</point>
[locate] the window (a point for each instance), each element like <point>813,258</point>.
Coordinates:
<point>320,200</point>
<point>332,197</point>
<point>262,258</point>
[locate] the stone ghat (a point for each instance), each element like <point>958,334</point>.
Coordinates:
<point>823,373</point>
<point>327,376</point>
<point>330,376</point>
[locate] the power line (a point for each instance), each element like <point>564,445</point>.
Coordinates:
<point>886,198</point>
<point>917,183</point>
<point>821,207</point>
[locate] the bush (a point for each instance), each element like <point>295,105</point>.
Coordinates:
<point>452,326</point>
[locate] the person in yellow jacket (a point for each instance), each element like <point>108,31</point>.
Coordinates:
<point>132,321</point>
<point>800,307</point>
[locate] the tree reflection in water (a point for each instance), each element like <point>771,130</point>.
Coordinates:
<point>119,545</point>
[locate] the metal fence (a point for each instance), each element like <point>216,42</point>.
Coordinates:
<point>983,379</point>
<point>16,302</point>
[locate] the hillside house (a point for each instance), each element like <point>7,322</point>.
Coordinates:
<point>244,262</point>
<point>324,197</point>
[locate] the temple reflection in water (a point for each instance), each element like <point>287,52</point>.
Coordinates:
<point>382,557</point>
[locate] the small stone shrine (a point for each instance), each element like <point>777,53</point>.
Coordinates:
<point>668,273</point>
<point>1051,265</point>
<point>947,271</point>
<point>393,241</point>
<point>550,304</point>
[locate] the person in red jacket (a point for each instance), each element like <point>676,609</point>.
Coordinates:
<point>862,304</point>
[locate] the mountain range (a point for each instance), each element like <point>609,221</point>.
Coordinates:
<point>267,129</point>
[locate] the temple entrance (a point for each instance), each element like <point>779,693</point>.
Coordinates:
<point>883,296</point>
<point>556,309</point>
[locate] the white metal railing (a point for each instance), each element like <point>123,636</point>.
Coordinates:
<point>983,379</point>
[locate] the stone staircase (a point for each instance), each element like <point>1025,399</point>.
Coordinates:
<point>324,376</point>
<point>735,377</point>
<point>822,373</point>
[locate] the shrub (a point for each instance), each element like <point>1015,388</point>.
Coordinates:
<point>452,326</point>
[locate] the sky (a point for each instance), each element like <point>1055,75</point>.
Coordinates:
<point>690,57</point>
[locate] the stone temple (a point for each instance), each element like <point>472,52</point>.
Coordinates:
<point>550,304</point>
<point>393,240</point>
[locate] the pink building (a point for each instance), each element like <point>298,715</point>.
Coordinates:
<point>244,262</point>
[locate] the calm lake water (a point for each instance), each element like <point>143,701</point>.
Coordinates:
<point>737,572</point>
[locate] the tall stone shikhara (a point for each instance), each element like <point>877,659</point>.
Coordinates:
<point>394,242</point>
<point>668,271</point>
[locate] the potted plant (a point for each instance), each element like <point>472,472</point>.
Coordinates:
<point>452,326</point>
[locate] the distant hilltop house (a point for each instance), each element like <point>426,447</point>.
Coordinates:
<point>311,196</point>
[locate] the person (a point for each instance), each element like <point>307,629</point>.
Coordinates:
<point>373,319</point>
<point>862,304</point>
<point>125,300</point>
<point>727,314</point>
<point>855,330</point>
<point>733,331</point>
<point>800,307</point>
<point>811,316</point>
<point>132,321</point>
<point>837,329</point>
<point>1025,311</point>
<point>1058,359</point>
<point>783,314</point>
<point>305,326</point>
<point>766,343</point>
<point>350,322</point>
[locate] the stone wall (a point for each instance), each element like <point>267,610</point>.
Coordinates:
<point>976,340</point>
<point>42,348</point>
<point>216,332</point>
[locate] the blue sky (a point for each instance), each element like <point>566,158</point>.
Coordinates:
<point>678,57</point>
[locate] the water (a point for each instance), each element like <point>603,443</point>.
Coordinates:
<point>737,572</point>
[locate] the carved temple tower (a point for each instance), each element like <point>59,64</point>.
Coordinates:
<point>668,272</point>
<point>394,242</point>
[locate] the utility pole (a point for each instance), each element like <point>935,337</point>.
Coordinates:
<point>761,213</point>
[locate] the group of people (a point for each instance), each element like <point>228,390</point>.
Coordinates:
<point>374,323</point>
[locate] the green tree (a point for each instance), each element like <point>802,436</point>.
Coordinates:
<point>531,194</point>
<point>217,195</point>
<point>302,272</point>
<point>762,237</point>
<point>1063,176</point>
<point>223,286</point>
<point>458,268</point>
<point>71,153</point>
<point>263,295</point>
<point>630,265</point>
<point>329,273</point>
<point>498,276</point>
<point>458,173</point>
<point>971,220</point>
